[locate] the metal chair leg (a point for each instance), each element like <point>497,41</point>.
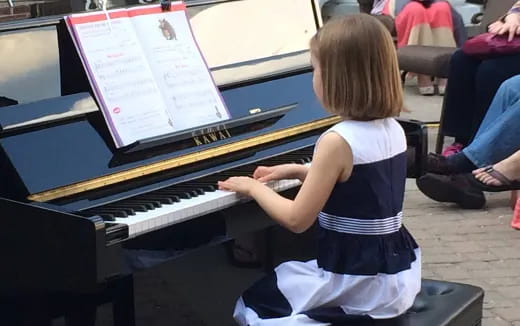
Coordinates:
<point>440,134</point>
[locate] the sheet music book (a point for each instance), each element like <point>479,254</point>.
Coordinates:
<point>146,71</point>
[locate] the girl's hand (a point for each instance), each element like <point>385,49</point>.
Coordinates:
<point>242,185</point>
<point>511,26</point>
<point>277,172</point>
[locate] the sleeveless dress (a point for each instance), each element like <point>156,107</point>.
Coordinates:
<point>368,265</point>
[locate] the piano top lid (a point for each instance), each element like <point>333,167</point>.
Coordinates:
<point>47,111</point>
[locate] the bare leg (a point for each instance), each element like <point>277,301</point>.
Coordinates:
<point>425,85</point>
<point>441,85</point>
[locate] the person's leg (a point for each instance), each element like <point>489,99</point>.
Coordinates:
<point>499,134</point>
<point>441,24</point>
<point>497,138</point>
<point>412,28</point>
<point>489,76</point>
<point>460,97</point>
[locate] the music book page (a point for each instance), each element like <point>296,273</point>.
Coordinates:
<point>146,71</point>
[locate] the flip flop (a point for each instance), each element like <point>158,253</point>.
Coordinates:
<point>506,185</point>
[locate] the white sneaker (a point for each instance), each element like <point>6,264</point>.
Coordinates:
<point>427,90</point>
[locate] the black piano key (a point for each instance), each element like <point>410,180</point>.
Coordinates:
<point>173,192</point>
<point>192,190</point>
<point>235,173</point>
<point>107,217</point>
<point>151,204</point>
<point>146,203</point>
<point>205,186</point>
<point>127,209</point>
<point>163,199</point>
<point>128,206</point>
<point>115,212</point>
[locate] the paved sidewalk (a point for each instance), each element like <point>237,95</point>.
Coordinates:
<point>471,246</point>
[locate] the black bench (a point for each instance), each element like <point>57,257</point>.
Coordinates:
<point>439,304</point>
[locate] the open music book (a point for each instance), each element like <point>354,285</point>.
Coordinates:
<point>146,71</point>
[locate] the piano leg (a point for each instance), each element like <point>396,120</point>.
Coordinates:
<point>83,315</point>
<point>120,292</point>
<point>123,301</point>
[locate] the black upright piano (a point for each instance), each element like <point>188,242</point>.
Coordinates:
<point>73,205</point>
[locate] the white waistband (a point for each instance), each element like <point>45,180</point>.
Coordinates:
<point>361,226</point>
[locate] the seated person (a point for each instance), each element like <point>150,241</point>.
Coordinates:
<point>423,22</point>
<point>497,138</point>
<point>474,82</point>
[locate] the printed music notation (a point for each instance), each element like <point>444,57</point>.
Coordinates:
<point>146,71</point>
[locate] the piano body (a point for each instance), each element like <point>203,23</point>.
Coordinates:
<point>73,205</point>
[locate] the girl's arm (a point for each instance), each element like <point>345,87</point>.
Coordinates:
<point>332,162</point>
<point>282,171</point>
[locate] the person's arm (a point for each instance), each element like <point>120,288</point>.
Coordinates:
<point>332,161</point>
<point>508,24</point>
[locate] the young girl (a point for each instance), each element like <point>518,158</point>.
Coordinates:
<point>368,265</point>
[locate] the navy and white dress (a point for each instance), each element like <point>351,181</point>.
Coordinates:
<point>368,265</point>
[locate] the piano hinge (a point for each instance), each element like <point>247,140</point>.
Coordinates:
<point>182,160</point>
<point>99,223</point>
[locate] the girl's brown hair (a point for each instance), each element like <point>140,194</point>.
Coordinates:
<point>359,70</point>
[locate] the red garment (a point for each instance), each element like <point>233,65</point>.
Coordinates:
<point>420,25</point>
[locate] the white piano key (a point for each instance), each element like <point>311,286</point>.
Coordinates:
<point>186,209</point>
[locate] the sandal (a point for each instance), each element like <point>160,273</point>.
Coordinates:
<point>506,185</point>
<point>236,253</point>
<point>451,189</point>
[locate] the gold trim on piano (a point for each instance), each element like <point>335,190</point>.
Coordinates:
<point>175,162</point>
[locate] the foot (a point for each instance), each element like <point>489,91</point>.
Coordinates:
<point>438,164</point>
<point>427,90</point>
<point>441,85</point>
<point>503,173</point>
<point>451,189</point>
<point>425,85</point>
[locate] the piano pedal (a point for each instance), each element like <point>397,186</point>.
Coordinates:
<point>242,253</point>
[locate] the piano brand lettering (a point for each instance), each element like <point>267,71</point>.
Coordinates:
<point>211,135</point>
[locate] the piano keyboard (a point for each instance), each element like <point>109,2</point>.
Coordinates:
<point>181,202</point>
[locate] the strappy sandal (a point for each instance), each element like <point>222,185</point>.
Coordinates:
<point>506,183</point>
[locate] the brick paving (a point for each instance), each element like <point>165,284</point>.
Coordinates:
<point>471,246</point>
